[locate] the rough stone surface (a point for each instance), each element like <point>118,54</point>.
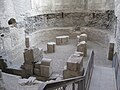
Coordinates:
<point>28,56</point>
<point>97,19</point>
<point>33,55</point>
<point>51,47</point>
<point>37,72</point>
<point>46,61</point>
<point>45,71</point>
<point>75,63</point>
<point>37,65</point>
<point>62,40</point>
<point>82,47</point>
<point>70,74</point>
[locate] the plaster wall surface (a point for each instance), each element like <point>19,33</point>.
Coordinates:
<point>20,9</point>
<point>117,13</point>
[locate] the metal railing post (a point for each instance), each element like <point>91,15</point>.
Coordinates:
<point>73,86</point>
<point>81,85</point>
<point>64,87</point>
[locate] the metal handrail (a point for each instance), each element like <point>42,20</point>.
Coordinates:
<point>89,70</point>
<point>83,81</point>
<point>115,64</point>
<point>63,83</point>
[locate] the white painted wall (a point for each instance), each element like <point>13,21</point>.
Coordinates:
<point>22,8</point>
<point>6,11</point>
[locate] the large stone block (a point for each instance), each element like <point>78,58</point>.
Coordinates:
<point>46,61</point>
<point>45,70</point>
<point>28,55</point>
<point>33,55</point>
<point>51,47</point>
<point>62,40</point>
<point>82,47</point>
<point>75,63</point>
<point>37,53</point>
<point>29,68</point>
<point>71,74</point>
<point>37,65</point>
<point>37,72</point>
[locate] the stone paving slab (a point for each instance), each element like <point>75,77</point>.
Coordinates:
<point>103,78</point>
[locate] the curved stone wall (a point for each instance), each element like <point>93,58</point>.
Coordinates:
<point>96,35</point>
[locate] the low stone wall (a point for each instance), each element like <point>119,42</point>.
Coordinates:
<point>41,36</point>
<point>48,35</point>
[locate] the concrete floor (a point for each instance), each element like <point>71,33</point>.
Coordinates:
<point>103,78</point>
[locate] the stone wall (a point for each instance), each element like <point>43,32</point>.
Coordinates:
<point>96,19</point>
<point>117,13</point>
<point>47,35</point>
<point>22,8</point>
<point>12,44</point>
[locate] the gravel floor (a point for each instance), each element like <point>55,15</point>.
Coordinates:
<point>63,52</point>
<point>59,59</point>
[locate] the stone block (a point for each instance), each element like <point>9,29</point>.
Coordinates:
<point>46,61</point>
<point>28,66</point>
<point>28,55</point>
<point>71,74</point>
<point>27,43</point>
<point>111,51</point>
<point>45,70</point>
<point>82,47</point>
<point>37,53</point>
<point>83,37</point>
<point>51,47</point>
<point>78,54</point>
<point>26,73</point>
<point>17,71</point>
<point>62,40</point>
<point>37,65</point>
<point>41,78</point>
<point>75,63</point>
<point>37,72</point>
<point>33,55</point>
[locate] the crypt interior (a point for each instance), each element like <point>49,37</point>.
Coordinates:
<point>59,44</point>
